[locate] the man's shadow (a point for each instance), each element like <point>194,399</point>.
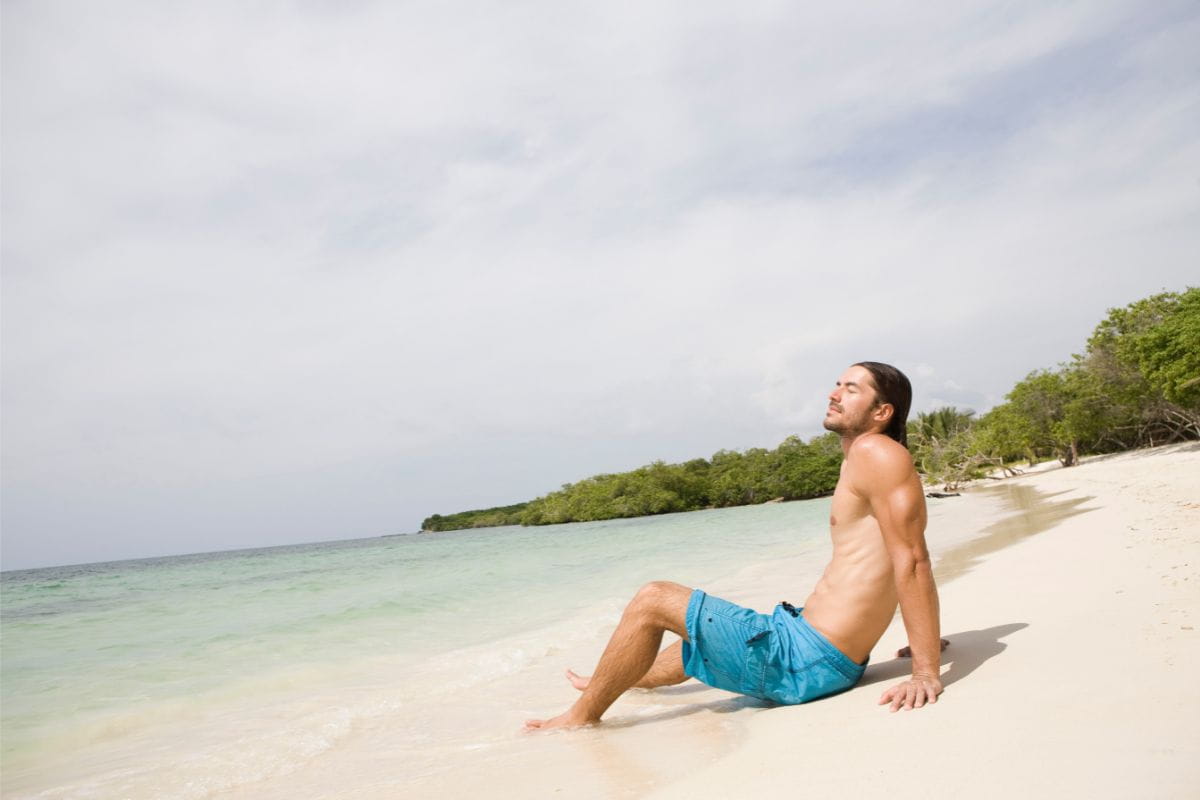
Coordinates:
<point>967,651</point>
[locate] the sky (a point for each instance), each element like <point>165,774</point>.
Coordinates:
<point>284,272</point>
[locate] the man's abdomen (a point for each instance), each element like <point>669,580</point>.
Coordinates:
<point>852,616</point>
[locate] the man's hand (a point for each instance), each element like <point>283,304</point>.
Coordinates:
<point>913,693</point>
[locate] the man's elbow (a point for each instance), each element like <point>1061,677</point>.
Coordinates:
<point>911,565</point>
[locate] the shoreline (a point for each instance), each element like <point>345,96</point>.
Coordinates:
<point>1060,561</point>
<point>1033,570</point>
<point>1071,664</point>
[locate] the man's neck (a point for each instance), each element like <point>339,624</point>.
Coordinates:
<point>850,438</point>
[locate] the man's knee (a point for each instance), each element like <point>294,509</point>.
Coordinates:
<point>656,596</point>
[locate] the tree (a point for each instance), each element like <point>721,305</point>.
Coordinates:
<point>1003,434</point>
<point>1168,353</point>
<point>1147,356</point>
<point>1041,399</point>
<point>942,445</point>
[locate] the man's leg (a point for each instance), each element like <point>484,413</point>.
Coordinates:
<point>667,670</point>
<point>657,607</point>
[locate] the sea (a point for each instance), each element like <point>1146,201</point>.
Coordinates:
<point>392,666</point>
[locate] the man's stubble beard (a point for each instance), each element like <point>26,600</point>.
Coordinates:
<point>846,427</point>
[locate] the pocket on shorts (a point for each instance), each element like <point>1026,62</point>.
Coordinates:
<point>759,659</point>
<point>727,646</point>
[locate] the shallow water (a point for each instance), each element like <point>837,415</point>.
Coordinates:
<point>187,676</point>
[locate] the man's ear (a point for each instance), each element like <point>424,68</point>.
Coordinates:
<point>883,413</point>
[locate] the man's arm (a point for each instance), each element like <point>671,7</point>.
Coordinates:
<point>891,487</point>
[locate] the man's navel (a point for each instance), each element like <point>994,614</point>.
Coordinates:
<point>832,521</point>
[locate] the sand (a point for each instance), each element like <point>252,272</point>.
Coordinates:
<point>1071,598</point>
<point>1073,665</point>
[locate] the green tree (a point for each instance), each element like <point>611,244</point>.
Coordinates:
<point>1041,399</point>
<point>1148,356</point>
<point>942,445</point>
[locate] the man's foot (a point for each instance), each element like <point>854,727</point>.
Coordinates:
<point>580,682</point>
<point>906,652</point>
<point>564,721</point>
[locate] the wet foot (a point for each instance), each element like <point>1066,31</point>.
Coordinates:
<point>906,652</point>
<point>564,721</point>
<point>580,682</point>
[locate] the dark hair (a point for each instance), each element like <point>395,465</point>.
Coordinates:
<point>893,387</point>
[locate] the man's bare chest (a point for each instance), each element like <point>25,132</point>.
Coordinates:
<point>848,509</point>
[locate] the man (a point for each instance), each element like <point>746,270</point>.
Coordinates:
<point>794,655</point>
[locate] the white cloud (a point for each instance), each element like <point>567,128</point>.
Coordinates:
<point>251,242</point>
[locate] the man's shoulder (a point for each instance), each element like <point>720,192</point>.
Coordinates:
<point>876,447</point>
<point>879,455</point>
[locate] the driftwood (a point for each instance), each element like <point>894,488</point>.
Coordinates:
<point>942,494</point>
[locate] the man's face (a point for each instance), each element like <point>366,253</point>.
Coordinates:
<point>852,403</point>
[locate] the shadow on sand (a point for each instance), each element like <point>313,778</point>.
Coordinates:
<point>967,651</point>
<point>723,706</point>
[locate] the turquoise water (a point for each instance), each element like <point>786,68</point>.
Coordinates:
<point>102,664</point>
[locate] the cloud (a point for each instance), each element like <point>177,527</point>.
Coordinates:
<point>292,246</point>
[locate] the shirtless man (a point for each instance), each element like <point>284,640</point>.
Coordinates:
<point>799,654</point>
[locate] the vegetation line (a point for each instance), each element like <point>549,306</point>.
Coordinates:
<point>1137,384</point>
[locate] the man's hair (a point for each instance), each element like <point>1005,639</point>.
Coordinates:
<point>893,387</point>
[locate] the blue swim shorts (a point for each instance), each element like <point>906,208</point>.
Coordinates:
<point>777,656</point>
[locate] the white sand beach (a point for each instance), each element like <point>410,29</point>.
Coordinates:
<point>1070,597</point>
<point>1072,666</point>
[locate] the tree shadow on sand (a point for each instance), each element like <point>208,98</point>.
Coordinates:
<point>1145,452</point>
